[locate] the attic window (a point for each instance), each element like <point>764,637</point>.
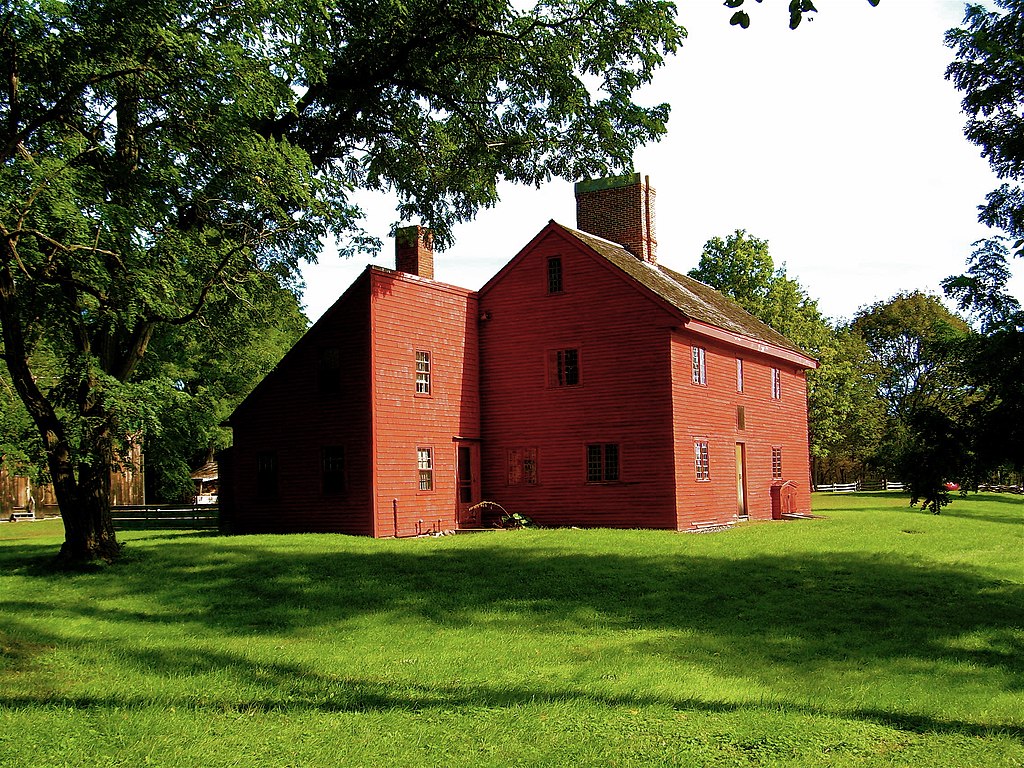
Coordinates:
<point>555,274</point>
<point>739,374</point>
<point>329,371</point>
<point>776,384</point>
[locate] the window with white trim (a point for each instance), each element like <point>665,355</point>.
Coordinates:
<point>739,374</point>
<point>701,464</point>
<point>422,373</point>
<point>776,384</point>
<point>425,467</point>
<point>700,371</point>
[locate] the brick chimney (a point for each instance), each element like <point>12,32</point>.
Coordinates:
<point>620,209</point>
<point>414,251</point>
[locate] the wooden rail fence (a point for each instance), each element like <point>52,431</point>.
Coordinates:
<point>860,485</point>
<point>157,516</point>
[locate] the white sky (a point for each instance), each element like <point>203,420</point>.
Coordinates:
<point>840,143</point>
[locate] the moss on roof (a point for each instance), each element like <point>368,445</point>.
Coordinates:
<point>693,298</point>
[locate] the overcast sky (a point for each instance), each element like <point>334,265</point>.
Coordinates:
<point>840,143</point>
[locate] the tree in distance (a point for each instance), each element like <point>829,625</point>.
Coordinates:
<point>915,341</point>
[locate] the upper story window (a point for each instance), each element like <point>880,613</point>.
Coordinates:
<point>425,467</point>
<point>329,371</point>
<point>701,464</point>
<point>776,463</point>
<point>739,374</point>
<point>266,474</point>
<point>700,371</point>
<point>555,274</point>
<point>422,373</point>
<point>602,462</point>
<point>776,384</point>
<point>332,468</point>
<point>564,367</point>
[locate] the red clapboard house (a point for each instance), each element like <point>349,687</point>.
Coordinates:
<point>584,384</point>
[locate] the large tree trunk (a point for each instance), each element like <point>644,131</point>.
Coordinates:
<point>85,508</point>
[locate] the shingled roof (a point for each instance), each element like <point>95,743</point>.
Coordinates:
<point>691,297</point>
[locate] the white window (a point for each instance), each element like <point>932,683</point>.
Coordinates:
<point>425,465</point>
<point>700,460</point>
<point>739,374</point>
<point>700,373</point>
<point>422,373</point>
<point>776,384</point>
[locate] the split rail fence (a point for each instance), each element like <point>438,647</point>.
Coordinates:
<point>860,485</point>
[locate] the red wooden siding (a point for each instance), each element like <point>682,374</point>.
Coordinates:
<point>410,314</point>
<point>623,398</point>
<point>710,413</point>
<point>290,415</point>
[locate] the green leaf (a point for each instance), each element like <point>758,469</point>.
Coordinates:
<point>741,19</point>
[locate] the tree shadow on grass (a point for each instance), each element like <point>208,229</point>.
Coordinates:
<point>294,689</point>
<point>763,614</point>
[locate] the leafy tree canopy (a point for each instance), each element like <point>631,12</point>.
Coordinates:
<point>989,69</point>
<point>909,337</point>
<point>160,157</point>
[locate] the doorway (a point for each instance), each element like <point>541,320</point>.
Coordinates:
<point>467,484</point>
<point>741,480</point>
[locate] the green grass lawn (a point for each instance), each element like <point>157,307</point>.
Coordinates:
<point>877,635</point>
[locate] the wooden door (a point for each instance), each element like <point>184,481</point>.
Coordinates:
<point>467,486</point>
<point>741,480</point>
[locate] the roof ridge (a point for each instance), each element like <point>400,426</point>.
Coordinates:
<point>696,300</point>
